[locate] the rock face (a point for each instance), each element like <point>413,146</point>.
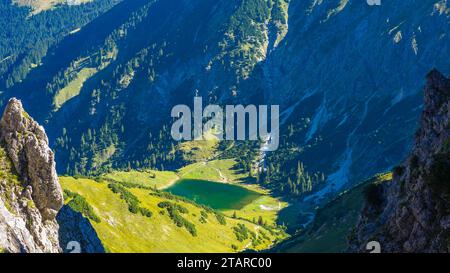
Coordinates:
<point>74,227</point>
<point>30,193</point>
<point>412,213</point>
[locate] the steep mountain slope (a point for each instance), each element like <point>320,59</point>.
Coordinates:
<point>140,53</point>
<point>74,227</point>
<point>346,76</point>
<point>30,194</point>
<point>25,37</point>
<point>333,224</point>
<point>412,214</point>
<point>344,73</point>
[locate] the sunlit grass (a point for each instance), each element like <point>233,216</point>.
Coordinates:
<point>122,231</point>
<point>73,88</point>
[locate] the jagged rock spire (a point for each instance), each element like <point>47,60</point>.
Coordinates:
<point>414,214</point>
<point>27,146</point>
<point>28,207</point>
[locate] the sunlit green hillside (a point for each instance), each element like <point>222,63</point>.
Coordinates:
<point>134,215</point>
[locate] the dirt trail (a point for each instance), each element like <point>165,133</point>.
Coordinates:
<point>222,176</point>
<point>170,183</point>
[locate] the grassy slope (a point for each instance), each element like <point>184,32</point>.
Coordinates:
<point>223,171</point>
<point>333,223</point>
<point>158,179</point>
<point>195,151</point>
<point>122,231</point>
<point>73,88</point>
<point>216,170</point>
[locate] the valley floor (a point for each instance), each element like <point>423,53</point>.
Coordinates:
<point>177,224</point>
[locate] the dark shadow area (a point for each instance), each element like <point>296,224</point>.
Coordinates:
<point>293,217</point>
<point>74,227</point>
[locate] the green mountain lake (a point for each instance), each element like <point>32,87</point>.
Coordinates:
<point>216,195</point>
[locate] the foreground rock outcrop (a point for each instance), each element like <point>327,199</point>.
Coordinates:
<point>30,193</point>
<point>73,226</point>
<point>412,212</point>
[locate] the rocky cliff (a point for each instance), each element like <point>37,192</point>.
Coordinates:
<point>412,212</point>
<point>73,226</point>
<point>30,193</point>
